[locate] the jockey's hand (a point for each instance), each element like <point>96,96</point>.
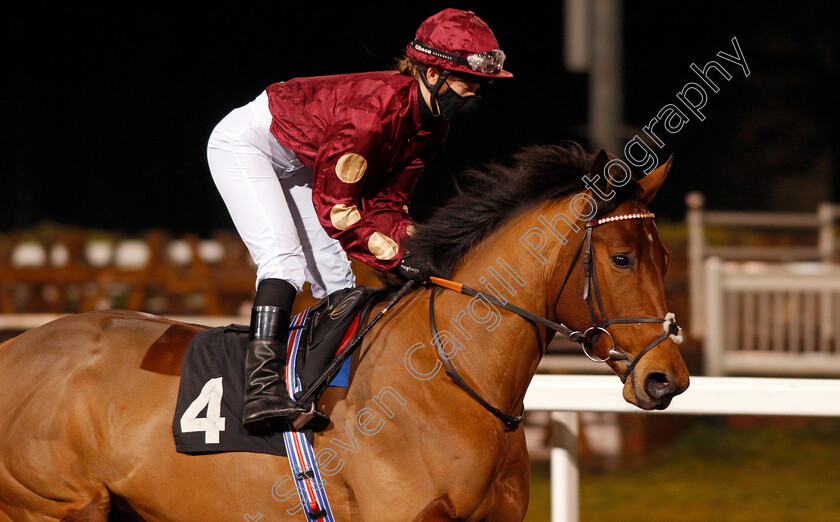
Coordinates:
<point>409,271</point>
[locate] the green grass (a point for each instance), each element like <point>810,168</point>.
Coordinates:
<point>711,473</point>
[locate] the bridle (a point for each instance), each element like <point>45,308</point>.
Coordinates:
<point>587,339</point>
<point>590,336</point>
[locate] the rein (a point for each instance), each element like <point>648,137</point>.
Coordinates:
<point>511,422</point>
<point>586,339</point>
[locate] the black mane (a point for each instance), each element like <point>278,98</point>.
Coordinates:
<point>498,192</point>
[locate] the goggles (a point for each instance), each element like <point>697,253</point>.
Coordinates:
<point>488,62</point>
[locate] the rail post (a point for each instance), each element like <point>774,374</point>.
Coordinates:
<point>714,342</point>
<point>565,475</point>
<point>696,243</point>
<point>826,213</point>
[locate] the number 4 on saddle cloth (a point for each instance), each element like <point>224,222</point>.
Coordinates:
<point>208,413</point>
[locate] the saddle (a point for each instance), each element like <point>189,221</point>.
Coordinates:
<point>329,327</point>
<point>212,372</point>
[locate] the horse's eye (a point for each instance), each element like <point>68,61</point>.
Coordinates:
<point>623,261</point>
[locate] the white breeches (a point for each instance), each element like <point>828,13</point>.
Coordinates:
<point>268,193</point>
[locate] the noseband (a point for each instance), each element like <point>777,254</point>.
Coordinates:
<point>586,339</point>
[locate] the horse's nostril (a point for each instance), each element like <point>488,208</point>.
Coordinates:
<point>658,385</point>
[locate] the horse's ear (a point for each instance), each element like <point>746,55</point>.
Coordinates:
<point>598,165</point>
<point>649,185</point>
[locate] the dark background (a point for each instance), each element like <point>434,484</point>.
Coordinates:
<point>107,111</point>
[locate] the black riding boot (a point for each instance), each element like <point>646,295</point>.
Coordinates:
<point>267,402</point>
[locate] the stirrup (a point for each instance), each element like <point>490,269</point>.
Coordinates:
<point>313,419</point>
<point>266,413</point>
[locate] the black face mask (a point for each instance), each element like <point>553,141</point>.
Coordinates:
<point>451,105</point>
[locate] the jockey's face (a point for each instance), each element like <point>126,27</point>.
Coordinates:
<point>461,86</point>
<point>456,96</point>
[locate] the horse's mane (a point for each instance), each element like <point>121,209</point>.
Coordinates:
<point>490,196</point>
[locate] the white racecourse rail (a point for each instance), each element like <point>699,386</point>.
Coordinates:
<point>564,395</point>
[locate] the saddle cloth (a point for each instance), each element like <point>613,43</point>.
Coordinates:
<point>208,412</point>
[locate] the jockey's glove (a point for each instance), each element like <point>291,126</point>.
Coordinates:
<point>409,271</point>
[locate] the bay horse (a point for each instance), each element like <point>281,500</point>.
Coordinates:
<point>85,431</point>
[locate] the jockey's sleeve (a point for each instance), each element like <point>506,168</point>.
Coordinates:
<point>362,207</point>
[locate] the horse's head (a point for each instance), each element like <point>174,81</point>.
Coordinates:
<point>618,269</point>
<point>623,319</point>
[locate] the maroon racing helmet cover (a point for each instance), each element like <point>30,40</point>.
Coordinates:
<point>458,41</point>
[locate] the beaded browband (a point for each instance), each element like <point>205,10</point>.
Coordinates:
<point>610,219</point>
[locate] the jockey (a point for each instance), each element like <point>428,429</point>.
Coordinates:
<point>317,168</point>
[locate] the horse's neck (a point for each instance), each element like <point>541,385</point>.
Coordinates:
<point>501,350</point>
